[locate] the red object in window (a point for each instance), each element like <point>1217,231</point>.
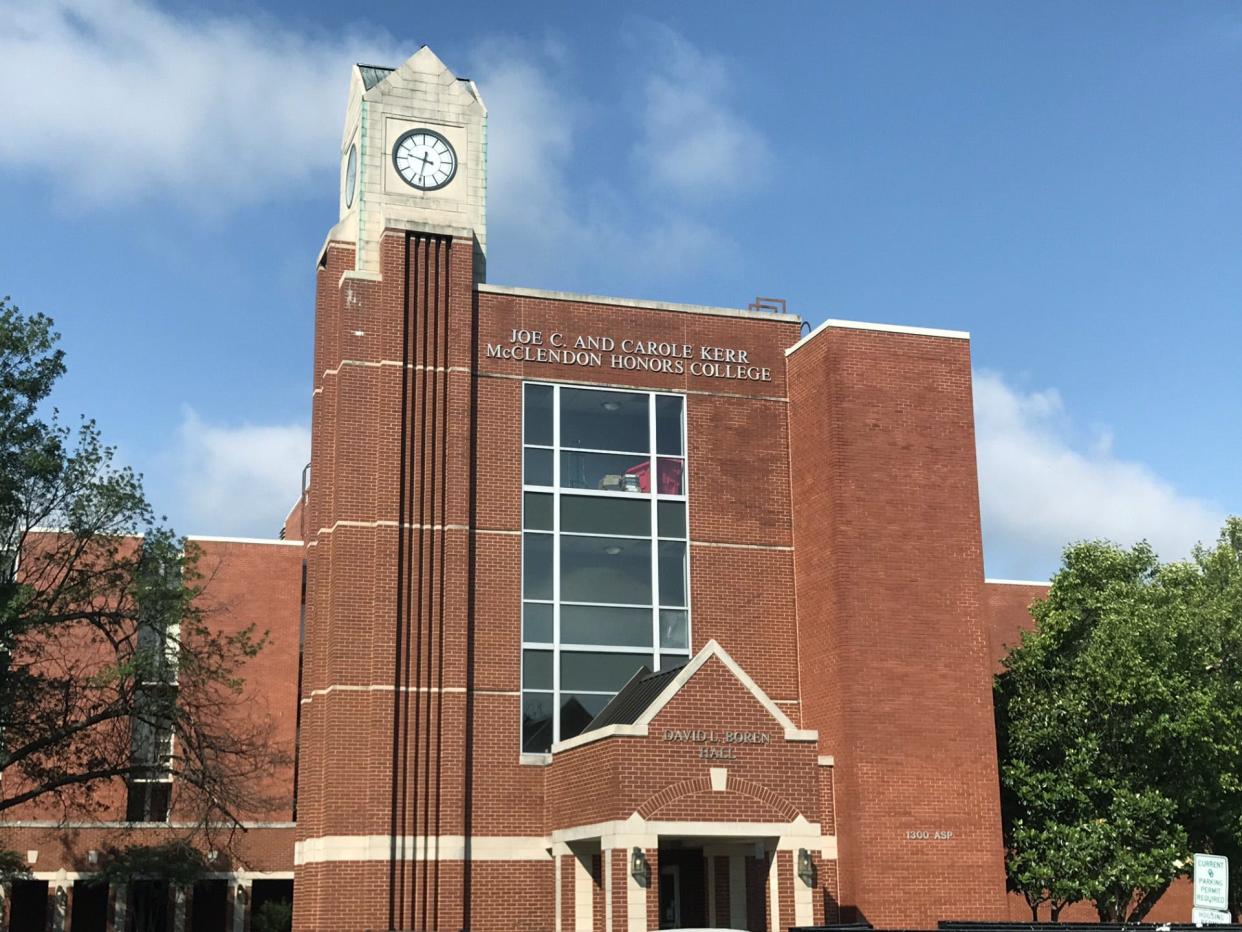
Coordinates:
<point>668,473</point>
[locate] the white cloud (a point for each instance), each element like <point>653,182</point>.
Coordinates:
<point>237,481</point>
<point>532,118</point>
<point>693,142</point>
<point>116,99</point>
<point>120,101</point>
<point>548,224</point>
<point>1039,491</point>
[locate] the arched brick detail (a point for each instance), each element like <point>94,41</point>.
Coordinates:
<point>676,791</point>
<point>673,792</point>
<point>760,792</point>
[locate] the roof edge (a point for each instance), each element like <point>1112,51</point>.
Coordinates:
<point>521,292</point>
<point>883,328</point>
<point>641,726</point>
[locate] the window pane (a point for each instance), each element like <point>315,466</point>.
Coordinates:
<point>537,513</point>
<point>537,467</point>
<point>668,425</point>
<point>671,476</point>
<point>672,517</point>
<point>669,661</point>
<point>536,669</point>
<point>606,569</point>
<point>611,472</point>
<point>674,629</point>
<point>537,566</point>
<point>577,710</point>
<point>602,672</point>
<point>537,622</point>
<point>537,415</point>
<point>589,515</point>
<point>536,722</point>
<point>600,624</point>
<point>604,420</point>
<point>672,572</point>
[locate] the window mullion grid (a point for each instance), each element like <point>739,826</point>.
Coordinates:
<point>685,491</point>
<point>522,578</point>
<point>556,564</point>
<point>652,484</point>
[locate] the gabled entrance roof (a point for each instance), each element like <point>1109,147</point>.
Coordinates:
<point>631,711</point>
<point>635,697</point>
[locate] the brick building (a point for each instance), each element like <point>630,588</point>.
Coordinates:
<point>623,614</point>
<point>615,614</point>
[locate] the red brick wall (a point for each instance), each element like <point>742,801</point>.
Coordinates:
<point>1174,906</point>
<point>1008,613</point>
<point>892,633</point>
<point>785,890</point>
<point>457,758</point>
<point>388,578</point>
<point>260,584</point>
<point>668,780</point>
<point>619,867</point>
<point>67,847</point>
<point>243,583</point>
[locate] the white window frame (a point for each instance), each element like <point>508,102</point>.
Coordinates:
<point>654,653</point>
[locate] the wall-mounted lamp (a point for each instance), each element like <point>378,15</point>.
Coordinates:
<point>806,868</point>
<point>640,870</point>
<point>92,856</point>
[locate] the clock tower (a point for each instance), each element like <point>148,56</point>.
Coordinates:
<point>385,760</point>
<point>413,156</point>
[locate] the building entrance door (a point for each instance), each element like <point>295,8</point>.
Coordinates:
<point>670,897</point>
<point>682,887</point>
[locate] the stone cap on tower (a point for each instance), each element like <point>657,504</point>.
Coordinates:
<point>391,116</point>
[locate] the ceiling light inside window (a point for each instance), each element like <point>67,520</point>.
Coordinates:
<point>612,550</point>
<point>611,406</point>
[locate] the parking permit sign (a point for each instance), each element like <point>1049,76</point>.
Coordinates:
<point>1211,882</point>
<point>1210,917</point>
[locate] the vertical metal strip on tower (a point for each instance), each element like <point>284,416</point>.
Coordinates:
<point>418,673</point>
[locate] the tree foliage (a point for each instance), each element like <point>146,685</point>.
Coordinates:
<point>150,872</point>
<point>12,867</point>
<point>104,650</point>
<point>1119,720</point>
<point>273,916</point>
<point>176,863</point>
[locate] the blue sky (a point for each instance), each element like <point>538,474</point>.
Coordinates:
<point>1064,180</point>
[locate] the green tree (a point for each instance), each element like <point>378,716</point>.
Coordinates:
<point>1118,722</point>
<point>12,867</point>
<point>273,916</point>
<point>110,675</point>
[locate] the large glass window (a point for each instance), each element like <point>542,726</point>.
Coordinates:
<point>605,556</point>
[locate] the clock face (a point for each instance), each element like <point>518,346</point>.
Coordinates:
<point>351,175</point>
<point>424,159</point>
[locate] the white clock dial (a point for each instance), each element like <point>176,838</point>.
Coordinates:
<point>351,175</point>
<point>424,159</point>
